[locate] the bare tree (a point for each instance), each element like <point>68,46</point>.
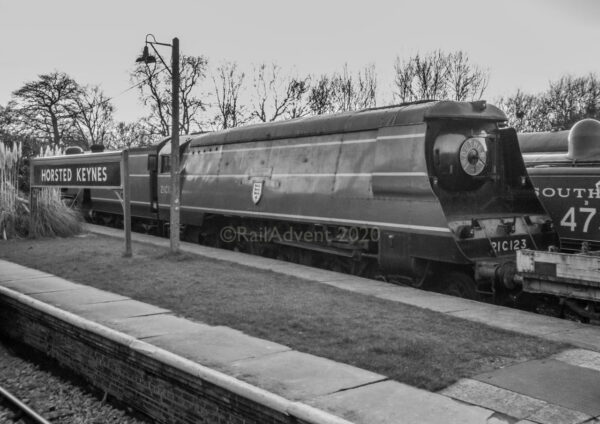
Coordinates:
<point>48,105</point>
<point>565,102</point>
<point>571,99</point>
<point>525,112</point>
<point>14,130</point>
<point>432,72</point>
<point>298,91</point>
<point>228,85</point>
<point>156,92</point>
<point>277,95</point>
<point>403,80</point>
<point>438,76</point>
<point>130,134</point>
<point>465,81</point>
<point>421,77</point>
<point>355,92</point>
<point>94,116</point>
<point>344,91</point>
<point>320,99</point>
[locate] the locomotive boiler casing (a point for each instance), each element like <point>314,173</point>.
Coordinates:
<point>396,170</point>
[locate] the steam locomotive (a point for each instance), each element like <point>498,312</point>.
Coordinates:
<point>427,193</point>
<point>564,167</point>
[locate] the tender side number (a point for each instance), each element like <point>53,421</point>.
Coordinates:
<point>575,215</point>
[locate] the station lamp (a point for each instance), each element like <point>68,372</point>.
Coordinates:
<point>147,58</point>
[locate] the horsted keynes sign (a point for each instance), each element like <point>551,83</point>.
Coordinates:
<point>106,170</point>
<point>78,171</point>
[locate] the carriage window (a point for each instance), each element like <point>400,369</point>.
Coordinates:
<point>165,163</point>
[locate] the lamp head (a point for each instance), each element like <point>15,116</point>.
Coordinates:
<point>146,57</point>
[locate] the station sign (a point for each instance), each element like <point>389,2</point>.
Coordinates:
<point>107,170</point>
<point>78,171</point>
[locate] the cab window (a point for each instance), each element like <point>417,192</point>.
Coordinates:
<point>165,163</point>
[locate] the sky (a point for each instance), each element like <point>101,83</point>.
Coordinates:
<point>523,44</point>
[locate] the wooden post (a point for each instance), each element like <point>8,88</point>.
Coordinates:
<point>126,202</point>
<point>32,200</point>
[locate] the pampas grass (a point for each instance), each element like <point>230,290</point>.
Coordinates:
<point>13,207</point>
<point>49,216</point>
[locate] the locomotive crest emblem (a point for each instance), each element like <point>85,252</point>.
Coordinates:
<point>257,191</point>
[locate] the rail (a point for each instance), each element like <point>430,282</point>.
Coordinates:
<point>17,404</point>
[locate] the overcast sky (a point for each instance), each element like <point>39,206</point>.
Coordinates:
<point>523,43</point>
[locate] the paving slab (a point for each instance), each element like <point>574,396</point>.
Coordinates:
<point>429,300</point>
<point>300,376</point>
<point>20,274</point>
<point>106,312</point>
<point>516,320</point>
<point>553,414</point>
<point>41,285</point>
<point>216,346</point>
<point>580,358</point>
<point>142,327</point>
<point>586,336</point>
<point>7,266</point>
<point>79,296</point>
<point>495,398</point>
<point>390,402</point>
<point>553,381</point>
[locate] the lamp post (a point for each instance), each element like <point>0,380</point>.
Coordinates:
<point>175,191</point>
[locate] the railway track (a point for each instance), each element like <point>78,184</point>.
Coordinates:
<point>35,390</point>
<point>21,412</point>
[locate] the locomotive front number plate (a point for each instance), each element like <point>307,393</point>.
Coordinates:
<point>509,244</point>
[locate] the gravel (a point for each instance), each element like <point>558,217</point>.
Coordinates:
<point>53,396</point>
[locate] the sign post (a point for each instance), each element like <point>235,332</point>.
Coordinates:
<point>126,202</point>
<point>107,170</point>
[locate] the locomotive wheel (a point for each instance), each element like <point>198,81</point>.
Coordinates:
<point>460,284</point>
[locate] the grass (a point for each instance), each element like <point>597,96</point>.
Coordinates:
<point>419,347</point>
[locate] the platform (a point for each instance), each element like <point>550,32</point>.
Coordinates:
<point>317,390</point>
<point>299,378</point>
